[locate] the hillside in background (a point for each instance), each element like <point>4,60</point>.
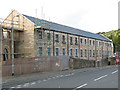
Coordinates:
<point>115,37</point>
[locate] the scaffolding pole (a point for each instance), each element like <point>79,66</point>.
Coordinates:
<point>0,44</point>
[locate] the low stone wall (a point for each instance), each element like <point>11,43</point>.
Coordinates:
<point>81,63</point>
<point>36,64</point>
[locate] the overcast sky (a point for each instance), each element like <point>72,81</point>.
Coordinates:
<point>90,15</point>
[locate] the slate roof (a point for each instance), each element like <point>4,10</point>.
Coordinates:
<point>65,29</point>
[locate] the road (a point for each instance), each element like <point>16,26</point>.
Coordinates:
<point>101,77</point>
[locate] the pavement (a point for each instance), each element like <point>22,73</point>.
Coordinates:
<point>95,77</point>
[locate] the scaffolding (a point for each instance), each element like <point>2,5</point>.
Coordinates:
<point>10,28</point>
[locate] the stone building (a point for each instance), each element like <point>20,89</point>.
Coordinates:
<point>35,37</point>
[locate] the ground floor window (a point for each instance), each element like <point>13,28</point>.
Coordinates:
<point>57,52</point>
<point>76,52</point>
<point>5,54</point>
<point>49,54</point>
<point>40,51</point>
<point>85,53</point>
<point>93,53</point>
<point>63,52</point>
<point>70,52</point>
<point>81,53</point>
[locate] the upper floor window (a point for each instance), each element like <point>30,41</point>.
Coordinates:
<point>71,41</point>
<point>63,39</point>
<point>90,42</point>
<point>99,43</point>
<point>81,40</point>
<point>76,41</point>
<point>96,43</point>
<point>57,38</point>
<point>97,53</point>
<point>93,43</point>
<point>103,44</point>
<point>100,52</point>
<point>40,34</point>
<point>48,36</point>
<point>85,41</point>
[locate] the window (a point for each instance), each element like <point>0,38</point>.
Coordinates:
<point>90,42</point>
<point>103,54</point>
<point>63,52</point>
<point>5,54</point>
<point>40,34</point>
<point>93,43</point>
<point>99,43</point>
<point>85,41</point>
<point>97,53</point>
<point>57,38</point>
<point>40,51</point>
<point>96,43</point>
<point>85,53</point>
<point>81,53</point>
<point>63,39</point>
<point>70,52</point>
<point>90,53</point>
<point>76,41</point>
<point>71,41</point>
<point>49,54</point>
<point>48,36</point>
<point>103,44</point>
<point>100,52</point>
<point>93,53</point>
<point>57,52</point>
<point>108,53</point>
<point>76,52</point>
<point>81,40</point>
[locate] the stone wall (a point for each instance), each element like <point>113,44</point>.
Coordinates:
<point>81,63</point>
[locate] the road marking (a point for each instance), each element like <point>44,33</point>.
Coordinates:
<point>49,78</point>
<point>53,77</point>
<point>67,75</point>
<point>61,75</point>
<point>57,76</point>
<point>82,86</point>
<point>44,80</point>
<point>33,83</point>
<point>39,81</point>
<point>72,74</point>
<point>114,71</point>
<point>26,84</point>
<point>18,86</point>
<point>100,77</point>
